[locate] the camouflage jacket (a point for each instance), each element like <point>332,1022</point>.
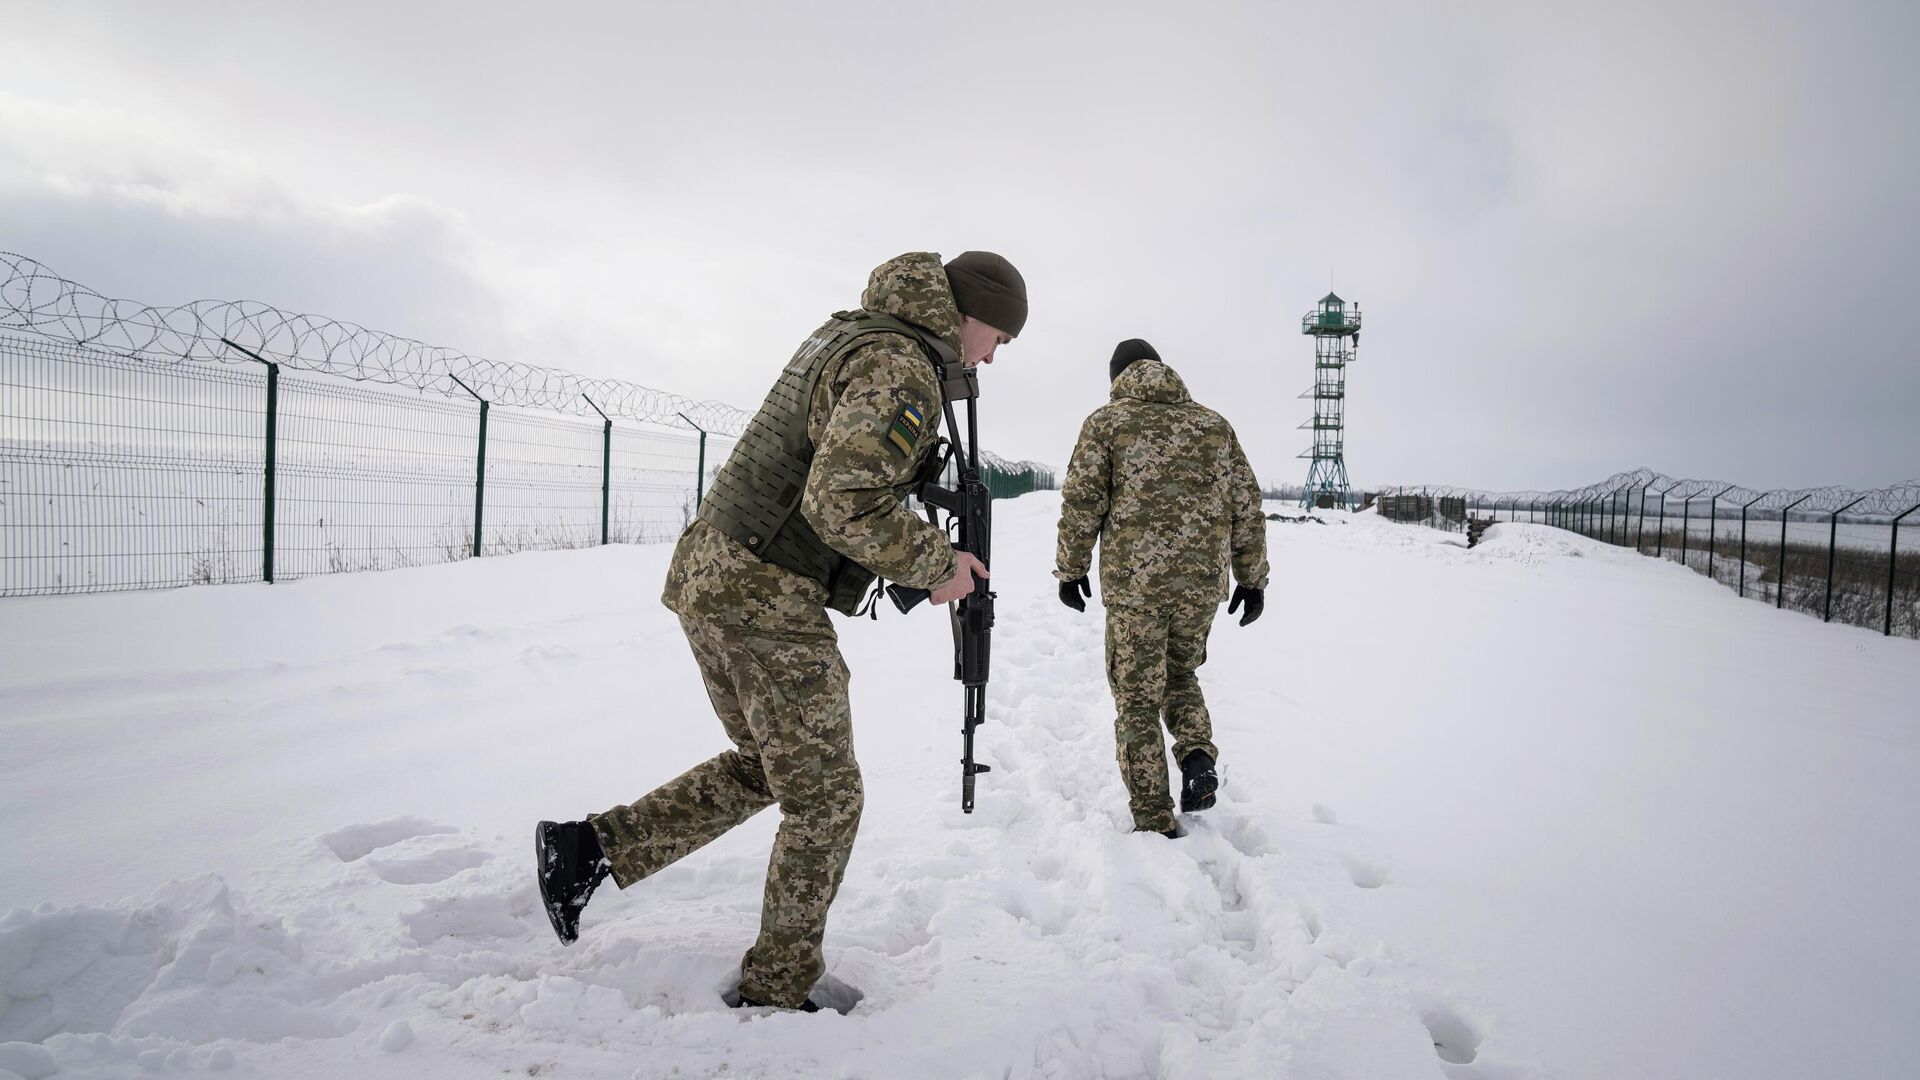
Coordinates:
<point>860,455</point>
<point>1161,481</point>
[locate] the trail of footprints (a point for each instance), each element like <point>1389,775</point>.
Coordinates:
<point>1243,925</point>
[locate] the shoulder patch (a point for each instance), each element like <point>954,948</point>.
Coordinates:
<point>904,431</point>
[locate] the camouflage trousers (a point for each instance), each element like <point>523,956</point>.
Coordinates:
<point>784,705</point>
<point>1152,654</point>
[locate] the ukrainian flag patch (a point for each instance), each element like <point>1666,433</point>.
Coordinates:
<point>904,432</point>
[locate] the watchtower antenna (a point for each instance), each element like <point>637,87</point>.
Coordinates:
<point>1336,334</point>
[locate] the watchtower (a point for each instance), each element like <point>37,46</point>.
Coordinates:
<point>1336,334</point>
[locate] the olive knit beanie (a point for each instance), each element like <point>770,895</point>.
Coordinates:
<point>1125,353</point>
<point>988,288</point>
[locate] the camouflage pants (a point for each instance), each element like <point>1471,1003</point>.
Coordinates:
<point>784,705</point>
<point>1152,654</point>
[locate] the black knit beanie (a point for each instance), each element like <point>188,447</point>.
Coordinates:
<point>988,288</point>
<point>1125,353</point>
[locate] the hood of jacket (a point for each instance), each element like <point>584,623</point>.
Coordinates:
<point>913,287</point>
<point>1150,380</point>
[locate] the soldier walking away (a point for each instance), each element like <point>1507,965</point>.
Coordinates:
<point>1162,483</point>
<point>806,512</point>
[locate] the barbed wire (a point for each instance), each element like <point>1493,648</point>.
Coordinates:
<point>1865,502</point>
<point>35,298</point>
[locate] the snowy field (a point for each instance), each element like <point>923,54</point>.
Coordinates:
<point>1540,809</point>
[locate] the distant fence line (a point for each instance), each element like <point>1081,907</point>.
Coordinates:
<point>1846,554</point>
<point>215,442</point>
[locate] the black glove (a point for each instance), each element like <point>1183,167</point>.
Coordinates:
<point>1072,591</point>
<point>1255,599</point>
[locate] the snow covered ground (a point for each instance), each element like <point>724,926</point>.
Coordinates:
<point>1540,809</point>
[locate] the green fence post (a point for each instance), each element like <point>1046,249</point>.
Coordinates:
<point>1743,542</point>
<point>1780,587</point>
<point>273,423</point>
<point>606,466</point>
<point>1893,556</point>
<point>1640,539</point>
<point>1833,540</point>
<point>1686,519</point>
<point>480,477</point>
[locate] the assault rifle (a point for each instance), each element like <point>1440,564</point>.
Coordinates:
<point>969,510</point>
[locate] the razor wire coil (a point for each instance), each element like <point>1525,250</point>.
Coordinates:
<point>1863,502</point>
<point>35,298</point>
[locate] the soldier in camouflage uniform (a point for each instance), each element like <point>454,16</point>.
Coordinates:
<point>806,511</point>
<point>1162,483</point>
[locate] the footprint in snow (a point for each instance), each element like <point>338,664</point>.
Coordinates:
<point>1246,836</point>
<point>1310,922</point>
<point>1239,928</point>
<point>1453,1038</point>
<point>356,842</point>
<point>426,867</point>
<point>1365,874</point>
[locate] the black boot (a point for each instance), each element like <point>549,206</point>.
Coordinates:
<point>570,865</point>
<point>1197,782</point>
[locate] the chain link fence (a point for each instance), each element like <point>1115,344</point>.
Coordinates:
<point>1840,554</point>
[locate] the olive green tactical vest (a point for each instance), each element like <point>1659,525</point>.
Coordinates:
<point>755,499</point>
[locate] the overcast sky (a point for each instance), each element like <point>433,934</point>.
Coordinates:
<point>1586,237</point>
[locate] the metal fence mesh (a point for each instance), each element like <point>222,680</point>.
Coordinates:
<point>369,478</point>
<point>115,474</point>
<point>544,479</point>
